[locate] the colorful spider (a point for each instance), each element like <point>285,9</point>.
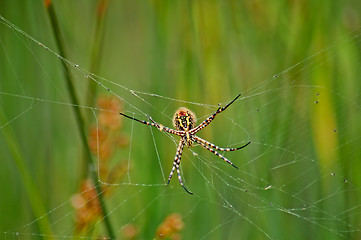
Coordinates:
<point>184,121</point>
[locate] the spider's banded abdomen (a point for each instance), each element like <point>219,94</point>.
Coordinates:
<point>184,119</point>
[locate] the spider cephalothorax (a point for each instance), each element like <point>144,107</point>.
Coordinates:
<point>184,121</point>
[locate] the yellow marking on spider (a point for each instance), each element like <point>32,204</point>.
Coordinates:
<point>180,123</point>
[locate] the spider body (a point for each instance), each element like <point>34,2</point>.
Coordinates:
<point>184,119</point>
<point>184,122</point>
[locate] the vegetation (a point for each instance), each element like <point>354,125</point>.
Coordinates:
<point>72,167</point>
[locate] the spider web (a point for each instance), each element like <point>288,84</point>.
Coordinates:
<point>299,176</point>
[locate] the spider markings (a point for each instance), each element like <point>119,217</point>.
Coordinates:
<point>184,121</point>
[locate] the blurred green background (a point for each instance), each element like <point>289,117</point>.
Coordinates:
<point>296,64</point>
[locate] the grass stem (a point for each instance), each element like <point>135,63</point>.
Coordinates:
<point>79,118</point>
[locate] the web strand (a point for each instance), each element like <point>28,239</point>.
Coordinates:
<point>279,174</point>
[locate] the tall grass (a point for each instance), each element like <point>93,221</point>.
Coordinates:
<point>303,123</point>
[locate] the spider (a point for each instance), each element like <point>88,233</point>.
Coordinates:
<point>184,122</point>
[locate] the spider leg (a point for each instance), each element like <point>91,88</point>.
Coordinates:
<point>176,164</point>
<point>196,138</point>
<point>141,121</point>
<point>155,124</point>
<point>208,120</point>
<point>163,128</point>
<point>214,151</point>
<point>180,180</point>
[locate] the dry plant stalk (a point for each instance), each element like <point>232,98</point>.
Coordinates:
<point>104,139</point>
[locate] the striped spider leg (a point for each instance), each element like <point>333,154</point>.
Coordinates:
<point>179,152</point>
<point>160,127</point>
<point>176,164</point>
<point>184,122</point>
<point>211,118</point>
<point>208,145</point>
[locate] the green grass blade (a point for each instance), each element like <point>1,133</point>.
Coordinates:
<point>32,191</point>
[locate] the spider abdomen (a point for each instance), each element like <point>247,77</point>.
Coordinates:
<point>184,119</point>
